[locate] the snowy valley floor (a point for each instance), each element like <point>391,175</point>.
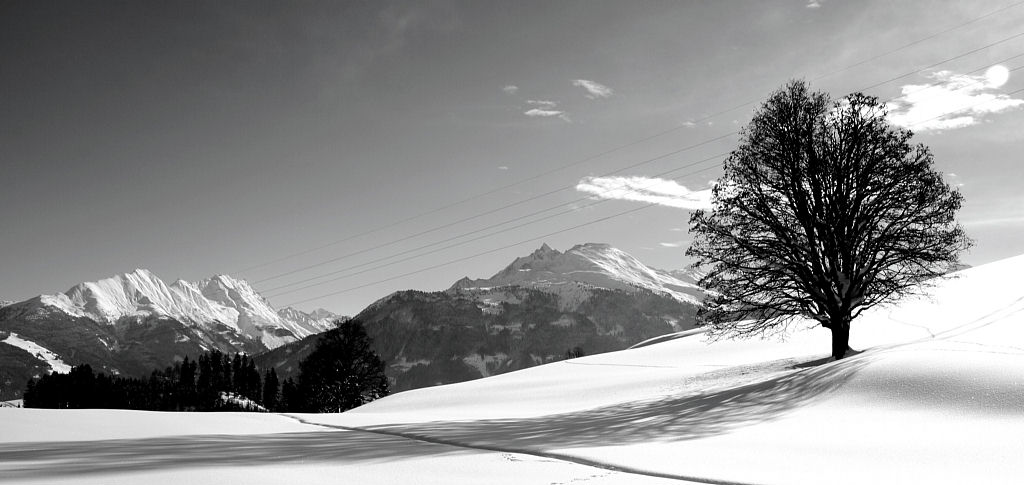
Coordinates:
<point>935,396</point>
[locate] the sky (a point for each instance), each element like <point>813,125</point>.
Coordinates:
<point>352,149</point>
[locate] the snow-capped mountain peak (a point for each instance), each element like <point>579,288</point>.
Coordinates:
<point>593,264</point>
<point>220,299</point>
<point>319,318</point>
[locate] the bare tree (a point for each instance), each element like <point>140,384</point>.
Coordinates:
<point>823,211</point>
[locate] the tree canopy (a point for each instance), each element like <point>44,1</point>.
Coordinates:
<point>342,372</point>
<point>823,211</point>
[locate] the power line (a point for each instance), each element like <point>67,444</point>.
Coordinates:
<point>934,84</point>
<point>571,210</point>
<point>643,162</point>
<point>616,148</point>
<point>412,250</point>
<point>619,214</point>
<point>492,211</point>
<point>965,54</point>
<point>965,108</point>
<point>636,209</point>
<point>923,39</point>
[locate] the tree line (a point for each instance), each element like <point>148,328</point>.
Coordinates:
<point>341,373</point>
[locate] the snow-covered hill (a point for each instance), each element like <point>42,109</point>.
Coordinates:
<point>590,264</point>
<point>221,300</point>
<point>935,396</point>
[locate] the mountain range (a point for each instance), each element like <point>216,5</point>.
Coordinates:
<point>543,307</point>
<point>134,322</point>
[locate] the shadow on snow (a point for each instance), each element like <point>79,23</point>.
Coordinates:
<point>674,418</point>
<point>19,461</point>
<point>670,419</point>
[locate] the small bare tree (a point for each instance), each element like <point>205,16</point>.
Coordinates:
<point>823,211</point>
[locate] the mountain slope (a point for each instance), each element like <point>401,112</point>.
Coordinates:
<point>543,307</point>
<point>591,264</point>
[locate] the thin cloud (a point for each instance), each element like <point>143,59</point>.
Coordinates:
<point>594,89</point>
<point>677,244</point>
<point>510,89</point>
<point>543,113</point>
<point>813,4</point>
<point>646,189</point>
<point>543,108</point>
<point>542,103</point>
<point>960,100</point>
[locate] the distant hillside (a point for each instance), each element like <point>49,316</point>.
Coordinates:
<point>592,297</point>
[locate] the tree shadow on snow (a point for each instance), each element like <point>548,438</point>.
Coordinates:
<point>20,461</point>
<point>675,418</point>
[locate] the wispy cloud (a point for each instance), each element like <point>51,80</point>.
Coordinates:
<point>543,108</point>
<point>646,189</point>
<point>543,113</point>
<point>542,103</point>
<point>813,4</point>
<point>594,89</point>
<point>676,244</point>
<point>510,89</point>
<point>957,101</point>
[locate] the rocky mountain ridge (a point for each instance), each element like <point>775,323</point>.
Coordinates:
<point>134,322</point>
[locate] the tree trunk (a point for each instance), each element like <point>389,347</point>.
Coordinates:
<point>840,338</point>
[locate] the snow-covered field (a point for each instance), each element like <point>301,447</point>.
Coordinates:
<point>936,396</point>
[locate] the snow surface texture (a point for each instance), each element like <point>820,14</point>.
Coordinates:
<point>40,352</point>
<point>130,447</point>
<point>936,396</point>
<point>223,299</point>
<point>595,264</point>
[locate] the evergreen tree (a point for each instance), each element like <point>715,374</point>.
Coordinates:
<point>290,399</point>
<point>30,398</point>
<point>237,383</point>
<point>187,385</point>
<point>253,383</point>
<point>204,383</point>
<point>270,390</point>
